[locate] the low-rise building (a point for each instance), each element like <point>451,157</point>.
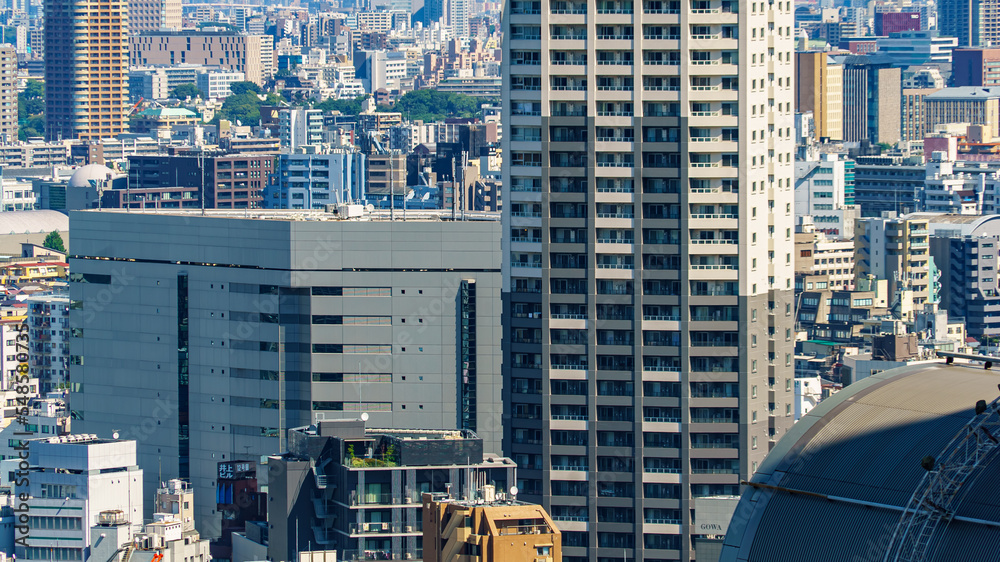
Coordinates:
<point>896,249</point>
<point>967,104</point>
<point>160,120</point>
<point>313,181</point>
<point>215,83</point>
<point>34,154</point>
<point>48,344</point>
<point>360,490</point>
<point>299,127</point>
<point>819,256</point>
<point>489,527</point>
<point>71,481</point>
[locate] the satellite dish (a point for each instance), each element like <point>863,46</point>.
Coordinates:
<point>114,435</point>
<point>364,416</point>
<point>513,490</point>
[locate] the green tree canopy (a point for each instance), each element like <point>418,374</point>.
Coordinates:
<point>30,107</point>
<point>243,108</point>
<point>347,107</point>
<point>244,87</point>
<point>54,242</point>
<point>185,91</point>
<point>432,105</point>
<point>35,89</point>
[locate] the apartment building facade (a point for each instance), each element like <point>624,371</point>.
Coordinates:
<point>895,249</point>
<point>86,69</point>
<point>8,94</point>
<point>648,260</point>
<point>239,52</point>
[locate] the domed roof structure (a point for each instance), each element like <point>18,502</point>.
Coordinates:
<point>97,172</point>
<point>42,221</point>
<point>899,466</point>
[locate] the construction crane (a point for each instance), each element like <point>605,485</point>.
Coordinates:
<point>134,107</point>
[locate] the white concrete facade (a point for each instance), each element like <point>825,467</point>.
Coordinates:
<point>73,479</point>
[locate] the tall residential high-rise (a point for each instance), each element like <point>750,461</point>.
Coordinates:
<point>8,94</point>
<point>647,261</point>
<point>963,19</point>
<point>86,68</point>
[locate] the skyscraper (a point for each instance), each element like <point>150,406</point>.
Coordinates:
<point>8,94</point>
<point>964,19</point>
<point>86,68</point>
<point>648,261</point>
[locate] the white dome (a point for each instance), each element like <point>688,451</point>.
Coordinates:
<point>82,177</point>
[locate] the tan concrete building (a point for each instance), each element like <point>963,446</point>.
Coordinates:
<point>488,531</point>
<point>913,113</point>
<point>249,54</point>
<point>86,68</point>
<point>8,94</point>
<point>815,254</point>
<point>153,15</point>
<point>819,88</point>
<point>897,250</point>
<point>969,104</point>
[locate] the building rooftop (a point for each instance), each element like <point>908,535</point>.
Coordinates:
<point>964,93</point>
<point>289,215</point>
<point>945,218</point>
<point>79,439</point>
<point>167,112</point>
<point>30,222</point>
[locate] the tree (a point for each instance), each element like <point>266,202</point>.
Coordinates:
<point>34,89</point>
<point>244,107</point>
<point>54,242</point>
<point>432,105</point>
<point>185,91</point>
<point>244,87</point>
<point>346,107</point>
<point>30,107</point>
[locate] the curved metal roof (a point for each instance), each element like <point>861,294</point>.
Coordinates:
<point>32,222</point>
<point>834,487</point>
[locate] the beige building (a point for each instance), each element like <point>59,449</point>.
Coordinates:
<point>648,220</point>
<point>249,54</point>
<point>487,530</point>
<point>968,104</point>
<point>86,68</point>
<point>815,254</point>
<point>897,250</point>
<point>819,88</point>
<point>153,15</point>
<point>913,113</point>
<point>8,94</point>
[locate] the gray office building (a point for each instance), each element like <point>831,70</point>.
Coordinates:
<point>206,336</point>
<point>969,288</point>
